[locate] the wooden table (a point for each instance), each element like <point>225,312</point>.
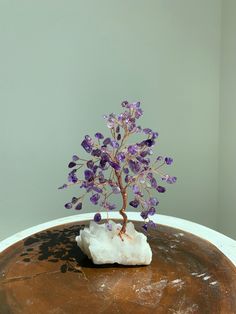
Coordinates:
<point>43,271</point>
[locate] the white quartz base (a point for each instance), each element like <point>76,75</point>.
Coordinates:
<point>106,247</point>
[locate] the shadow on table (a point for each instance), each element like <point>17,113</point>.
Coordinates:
<point>60,246</point>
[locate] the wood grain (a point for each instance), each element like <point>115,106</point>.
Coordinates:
<point>48,273</point>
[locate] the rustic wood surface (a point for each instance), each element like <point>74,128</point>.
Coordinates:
<point>48,273</point>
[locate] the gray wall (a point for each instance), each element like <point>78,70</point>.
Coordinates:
<point>66,63</point>
<point>227,145</point>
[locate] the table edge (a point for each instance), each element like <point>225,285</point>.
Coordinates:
<point>225,244</point>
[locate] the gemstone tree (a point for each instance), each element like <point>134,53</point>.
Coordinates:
<point>114,166</point>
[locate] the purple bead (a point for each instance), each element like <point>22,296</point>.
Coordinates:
<point>151,211</point>
<point>118,129</point>
<point>120,156</point>
<point>95,168</point>
<point>144,153</point>
<point>145,227</point>
<point>135,189</point>
<point>118,137</point>
<point>87,146</point>
<point>153,201</point>
<point>144,214</point>
<point>135,105</point>
<point>97,189</point>
<point>105,157</point>
<point>131,126</point>
<point>161,189</point>
<point>78,206</point>
<point>147,131</point>
<point>83,185</point>
<point>134,203</point>
<point>141,144</point>
<point>134,166</point>
<point>114,165</point>
<point>88,138</point>
<point>138,113</point>
<point>99,136</point>
<point>126,170</point>
<point>120,117</point>
<point>124,103</point>
<point>68,205</point>
<point>149,142</point>
<point>114,144</point>
<point>102,163</point>
<point>171,180</point>
<point>88,174</point>
<point>144,161</point>
<point>108,205</point>
<point>89,186</point>
<point>72,176</point>
<point>127,178</point>
<point>154,135</point>
<point>111,206</point>
<point>94,198</point>
<point>132,149</point>
<point>151,224</point>
<point>168,160</point>
<point>107,141</point>
<point>74,179</point>
<point>90,164</point>
<point>131,164</point>
<point>111,120</point>
<point>97,217</point>
<point>96,152</point>
<point>75,158</point>
<point>71,164</point>
<point>153,183</point>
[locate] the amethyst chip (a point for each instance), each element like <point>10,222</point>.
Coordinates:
<point>151,211</point>
<point>99,136</point>
<point>68,205</point>
<point>144,214</point>
<point>88,175</point>
<point>87,146</point>
<point>78,206</point>
<point>114,165</point>
<point>71,164</point>
<point>161,189</point>
<point>134,203</point>
<point>97,217</point>
<point>94,198</point>
<point>168,160</point>
<point>90,164</point>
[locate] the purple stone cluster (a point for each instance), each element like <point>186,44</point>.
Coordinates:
<point>112,157</point>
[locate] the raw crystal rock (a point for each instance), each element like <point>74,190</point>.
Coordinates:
<point>102,244</point>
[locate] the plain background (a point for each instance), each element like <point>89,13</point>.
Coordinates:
<point>66,63</point>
